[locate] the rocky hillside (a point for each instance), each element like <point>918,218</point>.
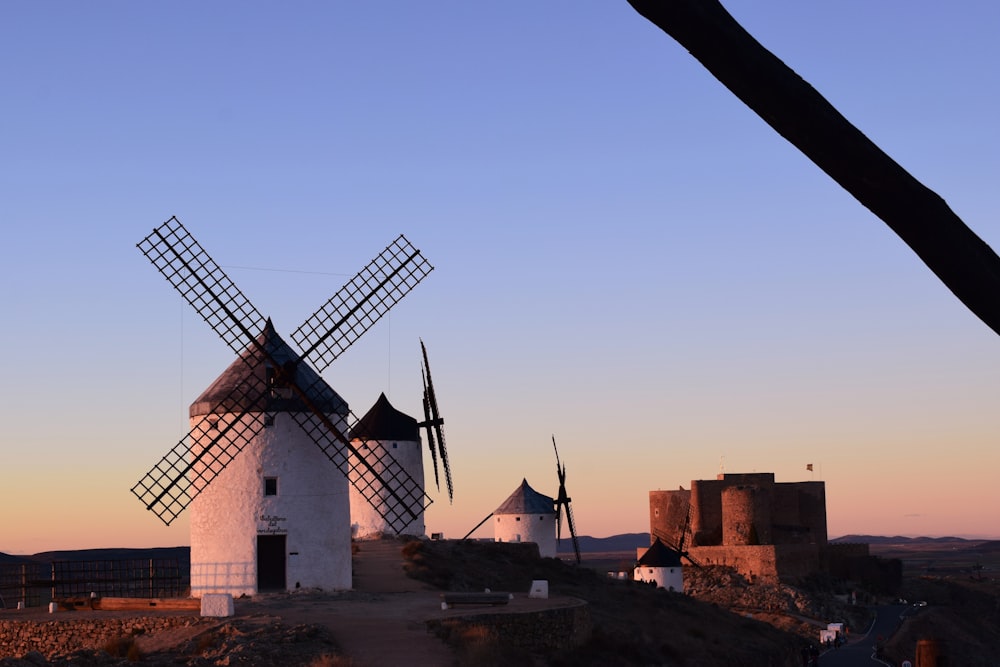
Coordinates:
<point>634,624</point>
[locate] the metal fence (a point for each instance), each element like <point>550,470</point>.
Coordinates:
<point>37,584</point>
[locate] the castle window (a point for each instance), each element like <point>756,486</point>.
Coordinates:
<point>270,486</point>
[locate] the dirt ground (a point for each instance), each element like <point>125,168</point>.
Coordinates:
<point>382,622</point>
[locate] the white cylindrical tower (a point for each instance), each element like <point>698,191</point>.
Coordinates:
<point>277,516</point>
<point>384,432</point>
<point>527,516</point>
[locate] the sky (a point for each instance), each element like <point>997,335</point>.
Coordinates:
<point>626,257</point>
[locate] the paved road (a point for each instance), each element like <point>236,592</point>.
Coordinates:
<point>858,651</point>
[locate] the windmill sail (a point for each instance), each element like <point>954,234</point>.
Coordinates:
<point>171,485</point>
<point>434,423</point>
<point>563,501</point>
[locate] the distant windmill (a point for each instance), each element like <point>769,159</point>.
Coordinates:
<point>563,502</point>
<point>268,401</point>
<point>433,423</point>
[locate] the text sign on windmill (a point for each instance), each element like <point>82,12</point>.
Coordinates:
<point>275,372</point>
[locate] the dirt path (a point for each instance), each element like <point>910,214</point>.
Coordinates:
<point>379,623</point>
<point>382,622</point>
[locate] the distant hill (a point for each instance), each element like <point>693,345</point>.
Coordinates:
<point>181,554</point>
<point>898,539</point>
<point>7,559</point>
<point>624,542</point>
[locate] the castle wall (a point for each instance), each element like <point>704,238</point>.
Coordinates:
<point>766,562</point>
<point>749,522</point>
<point>668,514</point>
<point>311,510</point>
<point>706,512</point>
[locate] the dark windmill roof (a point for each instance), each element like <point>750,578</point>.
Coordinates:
<point>525,500</point>
<point>384,422</point>
<point>250,372</point>
<point>660,555</point>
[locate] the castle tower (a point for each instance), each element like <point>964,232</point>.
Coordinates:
<point>746,515</point>
<point>384,430</point>
<point>277,517</point>
<point>527,516</point>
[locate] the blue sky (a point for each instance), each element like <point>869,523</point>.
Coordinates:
<point>626,256</point>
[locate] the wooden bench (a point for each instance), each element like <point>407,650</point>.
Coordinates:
<point>449,600</point>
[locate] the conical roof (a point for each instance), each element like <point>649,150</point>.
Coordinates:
<point>384,422</point>
<point>525,500</point>
<point>660,555</point>
<point>244,385</point>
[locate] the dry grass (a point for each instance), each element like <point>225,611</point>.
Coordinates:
<point>123,647</point>
<point>327,660</point>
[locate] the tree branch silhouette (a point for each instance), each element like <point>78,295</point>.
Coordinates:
<point>796,111</point>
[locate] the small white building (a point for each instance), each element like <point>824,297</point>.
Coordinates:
<point>527,516</point>
<point>384,432</point>
<point>277,516</point>
<point>660,565</point>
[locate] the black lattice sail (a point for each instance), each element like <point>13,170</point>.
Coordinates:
<point>170,486</point>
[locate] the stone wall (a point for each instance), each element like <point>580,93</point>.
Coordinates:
<point>52,638</point>
<point>763,563</point>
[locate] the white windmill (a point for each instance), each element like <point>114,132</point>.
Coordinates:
<point>266,465</point>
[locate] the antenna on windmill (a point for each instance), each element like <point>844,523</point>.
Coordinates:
<point>276,374</point>
<point>563,501</point>
<point>433,423</point>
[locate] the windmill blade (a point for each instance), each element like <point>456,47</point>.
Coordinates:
<point>185,264</point>
<point>361,303</point>
<point>563,500</point>
<point>572,532</point>
<point>383,482</point>
<point>426,424</point>
<point>437,422</point>
<point>170,486</point>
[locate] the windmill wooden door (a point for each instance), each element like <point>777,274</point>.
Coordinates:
<point>271,563</point>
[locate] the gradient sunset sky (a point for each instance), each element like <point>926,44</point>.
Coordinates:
<point>626,256</point>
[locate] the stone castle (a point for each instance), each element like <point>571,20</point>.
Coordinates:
<point>766,530</point>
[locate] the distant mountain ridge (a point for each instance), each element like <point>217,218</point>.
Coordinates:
<point>899,539</point>
<point>615,543</point>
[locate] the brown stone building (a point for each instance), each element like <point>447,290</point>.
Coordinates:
<point>766,530</point>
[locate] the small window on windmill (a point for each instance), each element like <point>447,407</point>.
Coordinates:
<point>517,519</point>
<point>213,424</point>
<point>270,486</point>
<point>541,518</point>
<point>656,512</point>
<point>395,445</point>
<point>278,380</point>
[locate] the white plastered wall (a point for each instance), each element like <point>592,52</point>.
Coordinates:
<point>365,519</point>
<point>670,578</point>
<point>311,508</point>
<point>537,528</point>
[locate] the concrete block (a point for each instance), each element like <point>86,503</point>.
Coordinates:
<point>539,589</point>
<point>217,605</point>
